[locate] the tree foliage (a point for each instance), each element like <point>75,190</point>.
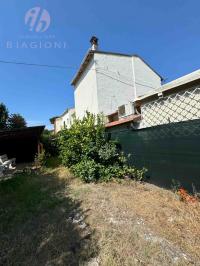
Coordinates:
<point>86,149</point>
<point>3,116</point>
<point>16,121</point>
<point>10,121</point>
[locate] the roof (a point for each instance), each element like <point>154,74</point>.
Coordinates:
<point>67,111</point>
<point>130,118</point>
<point>52,120</point>
<point>89,56</point>
<point>173,86</point>
<point>21,132</point>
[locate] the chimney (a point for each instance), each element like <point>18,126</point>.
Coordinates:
<point>94,43</point>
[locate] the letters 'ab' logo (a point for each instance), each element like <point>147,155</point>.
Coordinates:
<point>37,19</point>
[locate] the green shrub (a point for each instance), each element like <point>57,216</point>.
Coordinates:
<point>91,156</point>
<point>40,159</point>
<point>87,170</point>
<point>49,142</point>
<point>52,162</point>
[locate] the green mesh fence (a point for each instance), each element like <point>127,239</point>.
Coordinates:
<point>169,152</point>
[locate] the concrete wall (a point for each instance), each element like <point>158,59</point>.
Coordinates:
<point>111,81</point>
<point>182,106</point>
<point>115,85</point>
<point>57,125</point>
<point>86,92</point>
<point>145,78</point>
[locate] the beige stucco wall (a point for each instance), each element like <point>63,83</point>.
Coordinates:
<point>68,118</point>
<point>57,125</point>
<point>145,78</point>
<point>115,84</point>
<point>64,121</point>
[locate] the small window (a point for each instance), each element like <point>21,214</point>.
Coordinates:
<point>64,124</point>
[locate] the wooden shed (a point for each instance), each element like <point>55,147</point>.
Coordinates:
<point>22,144</point>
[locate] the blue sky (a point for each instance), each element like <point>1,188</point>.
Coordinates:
<point>165,33</point>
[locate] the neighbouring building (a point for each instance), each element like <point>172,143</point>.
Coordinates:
<point>176,101</point>
<point>63,121</point>
<point>107,80</point>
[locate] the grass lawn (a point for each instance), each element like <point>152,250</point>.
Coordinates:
<point>52,219</point>
<point>36,222</point>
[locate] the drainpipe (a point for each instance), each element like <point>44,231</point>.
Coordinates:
<point>134,81</point>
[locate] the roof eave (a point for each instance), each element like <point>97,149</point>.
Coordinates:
<point>89,55</point>
<point>166,88</point>
<point>128,119</point>
<point>135,55</point>
<point>52,120</point>
<point>82,67</point>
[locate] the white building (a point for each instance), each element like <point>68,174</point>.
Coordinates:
<point>176,101</point>
<point>107,80</point>
<point>63,121</point>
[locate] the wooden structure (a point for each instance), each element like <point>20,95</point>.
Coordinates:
<point>22,144</point>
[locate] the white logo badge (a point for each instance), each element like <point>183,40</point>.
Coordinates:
<point>37,19</point>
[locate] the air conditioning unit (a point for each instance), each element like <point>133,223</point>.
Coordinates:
<point>126,110</point>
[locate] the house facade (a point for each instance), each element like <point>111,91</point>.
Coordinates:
<point>63,121</point>
<point>126,89</point>
<point>107,80</point>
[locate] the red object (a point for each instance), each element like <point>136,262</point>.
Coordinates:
<point>130,118</point>
<point>185,196</point>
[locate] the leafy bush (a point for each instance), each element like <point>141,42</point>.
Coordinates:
<point>87,170</point>
<point>49,142</point>
<point>91,156</point>
<point>52,162</point>
<point>41,159</point>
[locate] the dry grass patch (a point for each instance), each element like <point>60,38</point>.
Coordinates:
<point>141,224</point>
<point>54,219</point>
